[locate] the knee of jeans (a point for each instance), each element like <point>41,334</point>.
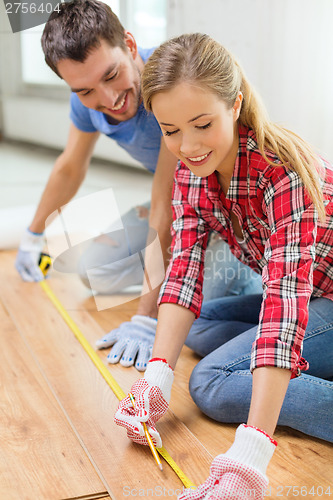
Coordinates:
<point>95,267</point>
<point>101,280</point>
<point>82,273</point>
<point>203,390</point>
<point>94,282</point>
<point>84,279</point>
<point>221,393</point>
<point>138,215</point>
<point>196,342</point>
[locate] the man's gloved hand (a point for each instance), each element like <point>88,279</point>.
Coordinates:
<point>27,259</point>
<point>152,395</point>
<point>240,473</point>
<point>132,342</point>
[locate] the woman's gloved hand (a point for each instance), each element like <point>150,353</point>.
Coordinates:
<point>240,473</point>
<point>152,395</point>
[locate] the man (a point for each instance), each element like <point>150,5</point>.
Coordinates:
<point>86,45</point>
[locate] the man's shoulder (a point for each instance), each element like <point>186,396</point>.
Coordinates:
<point>76,105</point>
<point>74,100</point>
<point>145,53</point>
<point>80,115</point>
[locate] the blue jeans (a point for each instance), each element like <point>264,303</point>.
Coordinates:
<point>221,383</point>
<point>113,264</point>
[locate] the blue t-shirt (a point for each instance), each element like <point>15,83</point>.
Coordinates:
<point>140,136</point>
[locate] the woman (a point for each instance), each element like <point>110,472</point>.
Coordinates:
<point>269,197</point>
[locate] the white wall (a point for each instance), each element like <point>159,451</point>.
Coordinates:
<point>44,121</point>
<point>285,47</point>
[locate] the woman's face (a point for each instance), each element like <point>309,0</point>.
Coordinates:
<point>198,128</point>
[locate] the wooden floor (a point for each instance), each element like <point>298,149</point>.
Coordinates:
<point>58,439</point>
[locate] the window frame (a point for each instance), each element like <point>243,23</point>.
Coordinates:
<point>54,90</point>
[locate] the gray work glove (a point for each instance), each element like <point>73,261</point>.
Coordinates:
<point>27,259</point>
<point>132,342</point>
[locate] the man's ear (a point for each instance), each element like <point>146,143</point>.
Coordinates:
<point>131,44</point>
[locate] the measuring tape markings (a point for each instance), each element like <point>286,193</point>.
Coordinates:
<point>107,375</point>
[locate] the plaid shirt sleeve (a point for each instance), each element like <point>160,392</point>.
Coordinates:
<point>287,276</point>
<point>184,276</point>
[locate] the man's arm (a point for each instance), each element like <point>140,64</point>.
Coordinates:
<point>66,177</point>
<point>160,219</point>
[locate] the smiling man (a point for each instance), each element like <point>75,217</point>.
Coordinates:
<point>86,45</point>
<point>108,80</point>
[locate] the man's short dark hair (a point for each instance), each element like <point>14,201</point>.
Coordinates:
<point>77,29</point>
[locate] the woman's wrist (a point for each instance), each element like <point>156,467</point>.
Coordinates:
<point>174,323</point>
<point>159,373</point>
<point>161,359</point>
<point>252,447</point>
<point>263,432</point>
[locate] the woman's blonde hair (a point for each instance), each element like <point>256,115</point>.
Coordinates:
<point>198,59</point>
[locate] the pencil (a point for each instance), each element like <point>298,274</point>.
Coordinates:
<point>148,437</point>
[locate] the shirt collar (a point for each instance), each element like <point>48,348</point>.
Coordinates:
<point>240,172</point>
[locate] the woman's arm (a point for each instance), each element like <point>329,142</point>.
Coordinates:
<point>174,323</point>
<point>268,391</point>
<point>152,392</point>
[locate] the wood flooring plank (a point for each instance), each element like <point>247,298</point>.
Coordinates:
<point>87,399</point>
<point>40,456</point>
<point>97,496</point>
<point>288,466</point>
<point>173,431</point>
<point>299,460</point>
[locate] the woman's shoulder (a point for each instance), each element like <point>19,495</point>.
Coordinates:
<point>265,172</point>
<point>249,145</point>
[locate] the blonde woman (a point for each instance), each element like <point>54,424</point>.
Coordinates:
<point>269,196</point>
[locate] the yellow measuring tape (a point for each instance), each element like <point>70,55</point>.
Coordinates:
<point>106,374</point>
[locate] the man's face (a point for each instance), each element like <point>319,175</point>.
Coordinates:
<point>108,80</point>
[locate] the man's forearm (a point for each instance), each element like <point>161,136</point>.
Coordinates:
<point>160,220</point>
<point>148,302</point>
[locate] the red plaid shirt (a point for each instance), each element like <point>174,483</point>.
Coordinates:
<point>284,241</point>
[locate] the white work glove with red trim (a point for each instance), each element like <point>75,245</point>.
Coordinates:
<point>152,395</point>
<point>239,474</point>
<point>27,260</point>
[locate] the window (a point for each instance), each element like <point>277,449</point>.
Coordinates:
<point>34,68</point>
<point>146,19</point>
